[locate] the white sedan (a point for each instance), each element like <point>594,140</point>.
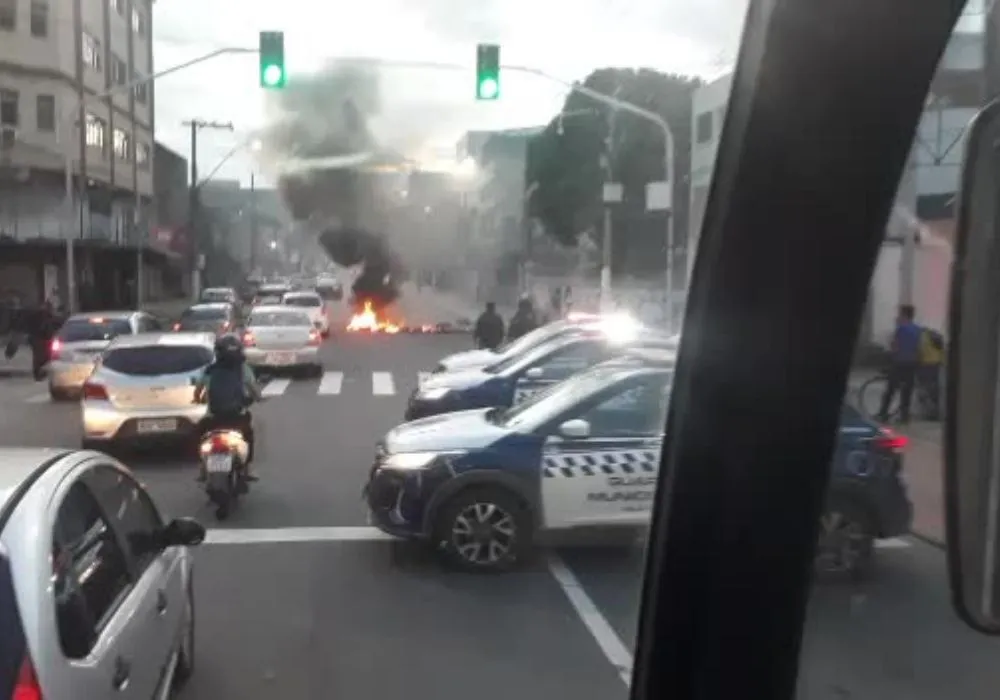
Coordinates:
<point>282,337</point>
<point>312,304</point>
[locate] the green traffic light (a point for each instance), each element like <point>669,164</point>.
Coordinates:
<point>273,75</point>
<point>489,88</point>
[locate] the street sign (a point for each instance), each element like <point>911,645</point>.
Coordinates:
<point>659,196</point>
<point>613,193</point>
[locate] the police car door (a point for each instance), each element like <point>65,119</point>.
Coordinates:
<point>606,476</point>
<point>561,364</point>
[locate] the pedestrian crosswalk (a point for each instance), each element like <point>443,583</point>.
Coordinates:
<point>331,383</point>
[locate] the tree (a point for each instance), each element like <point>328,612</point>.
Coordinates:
<point>564,164</point>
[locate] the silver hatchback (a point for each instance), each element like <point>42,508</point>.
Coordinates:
<point>96,589</point>
<point>142,388</point>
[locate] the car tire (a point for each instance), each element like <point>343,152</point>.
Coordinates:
<point>185,652</point>
<point>503,508</point>
<point>845,548</point>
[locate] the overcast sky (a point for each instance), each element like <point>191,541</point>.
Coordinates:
<point>424,110</point>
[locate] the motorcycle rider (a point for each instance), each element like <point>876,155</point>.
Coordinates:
<point>229,386</point>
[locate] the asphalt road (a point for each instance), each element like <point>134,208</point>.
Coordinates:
<point>297,596</point>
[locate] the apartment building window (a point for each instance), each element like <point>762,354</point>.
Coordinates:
<point>39,18</point>
<point>120,7</point>
<point>122,145</point>
<point>142,155</point>
<point>138,22</point>
<point>45,112</point>
<point>96,130</point>
<point>91,51</point>
<point>141,90</point>
<point>118,70</point>
<point>703,129</point>
<point>8,15</point>
<point>9,107</point>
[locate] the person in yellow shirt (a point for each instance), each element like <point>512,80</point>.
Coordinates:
<point>931,362</point>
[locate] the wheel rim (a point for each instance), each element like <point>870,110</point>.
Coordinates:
<point>483,533</point>
<point>843,543</point>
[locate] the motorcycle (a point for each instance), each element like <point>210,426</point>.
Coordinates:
<point>224,455</point>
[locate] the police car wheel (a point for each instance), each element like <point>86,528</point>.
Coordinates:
<point>484,530</point>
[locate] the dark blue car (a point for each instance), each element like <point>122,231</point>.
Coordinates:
<point>485,485</point>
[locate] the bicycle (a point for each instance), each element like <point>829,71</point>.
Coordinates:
<point>870,393</point>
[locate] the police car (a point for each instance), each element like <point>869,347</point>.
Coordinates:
<point>511,380</point>
<point>473,359</point>
<point>484,486</point>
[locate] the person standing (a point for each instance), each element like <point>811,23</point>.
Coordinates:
<point>42,328</point>
<point>904,363</point>
<point>524,321</point>
<point>929,373</point>
<point>488,333</point>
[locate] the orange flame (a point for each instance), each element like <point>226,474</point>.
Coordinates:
<point>368,320</point>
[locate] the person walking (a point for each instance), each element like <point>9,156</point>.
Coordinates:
<point>904,362</point>
<point>524,321</point>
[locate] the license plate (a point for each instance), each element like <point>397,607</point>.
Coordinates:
<point>161,425</point>
<point>219,464</point>
<point>280,358</point>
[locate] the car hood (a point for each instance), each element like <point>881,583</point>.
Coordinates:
<point>468,360</point>
<point>462,430</point>
<point>461,379</point>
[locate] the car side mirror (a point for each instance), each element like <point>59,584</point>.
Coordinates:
<point>972,384</point>
<point>182,532</point>
<point>575,429</point>
<point>535,373</point>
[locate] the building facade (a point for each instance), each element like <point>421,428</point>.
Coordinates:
<point>59,59</point>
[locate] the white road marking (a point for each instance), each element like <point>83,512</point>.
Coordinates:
<point>893,543</point>
<point>600,629</point>
<point>276,387</point>
<point>295,534</point>
<point>422,377</point>
<point>331,383</point>
<point>382,384</point>
<point>39,398</point>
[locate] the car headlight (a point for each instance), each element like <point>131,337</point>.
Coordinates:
<point>414,460</point>
<point>433,394</point>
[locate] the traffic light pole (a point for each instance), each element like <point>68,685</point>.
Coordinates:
<point>65,125</point>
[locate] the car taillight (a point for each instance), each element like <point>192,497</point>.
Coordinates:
<point>225,326</point>
<point>55,349</point>
<point>27,686</point>
<point>890,440</point>
<point>248,340</point>
<point>177,326</point>
<point>96,392</point>
<point>314,336</point>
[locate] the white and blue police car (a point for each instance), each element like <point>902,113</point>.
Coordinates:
<point>484,486</point>
<point>511,380</point>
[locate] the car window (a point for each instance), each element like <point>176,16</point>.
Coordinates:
<point>130,509</point>
<point>90,571</point>
<point>303,301</point>
<point>153,360</point>
<point>570,359</point>
<point>278,318</point>
<point>635,410</point>
<point>78,330</point>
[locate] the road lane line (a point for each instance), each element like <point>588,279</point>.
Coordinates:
<point>276,387</point>
<point>595,622</point>
<point>331,383</point>
<point>382,384</point>
<point>422,377</point>
<point>294,534</point>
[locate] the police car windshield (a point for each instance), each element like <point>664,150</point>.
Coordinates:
<point>530,357</point>
<point>562,396</point>
<point>530,340</point>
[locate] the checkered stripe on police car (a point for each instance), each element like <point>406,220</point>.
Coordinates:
<point>606,462</point>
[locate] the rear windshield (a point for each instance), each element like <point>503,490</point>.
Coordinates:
<point>269,299</point>
<point>304,301</point>
<point>279,318</point>
<point>81,329</point>
<point>217,295</point>
<point>204,315</point>
<point>154,360</point>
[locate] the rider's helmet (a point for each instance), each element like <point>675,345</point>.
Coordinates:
<point>228,349</point>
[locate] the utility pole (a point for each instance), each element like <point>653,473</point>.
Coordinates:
<point>197,245</point>
<point>254,231</point>
<point>611,194</point>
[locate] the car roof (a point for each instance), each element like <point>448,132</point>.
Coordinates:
<point>269,308</point>
<point>141,340</point>
<point>218,289</point>
<point>114,315</point>
<point>18,464</point>
<point>211,305</point>
<point>301,293</point>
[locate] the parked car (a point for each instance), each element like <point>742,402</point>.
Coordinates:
<point>96,589</point>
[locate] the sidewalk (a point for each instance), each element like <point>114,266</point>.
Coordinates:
<point>924,477</point>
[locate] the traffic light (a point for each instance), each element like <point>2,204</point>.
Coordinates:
<point>272,59</point>
<point>487,72</point>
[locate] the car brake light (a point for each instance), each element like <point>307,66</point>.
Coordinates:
<point>96,392</point>
<point>248,340</point>
<point>27,686</point>
<point>890,440</point>
<point>314,336</point>
<point>225,326</point>
<point>55,349</point>
<point>177,326</point>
